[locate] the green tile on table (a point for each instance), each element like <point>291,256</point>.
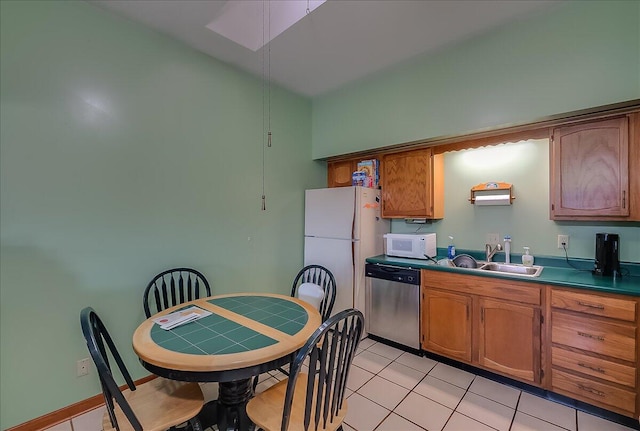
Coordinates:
<point>275,321</point>
<point>240,334</point>
<point>258,342</point>
<point>175,343</point>
<point>290,328</point>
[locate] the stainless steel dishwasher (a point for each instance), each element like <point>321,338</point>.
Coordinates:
<point>393,303</point>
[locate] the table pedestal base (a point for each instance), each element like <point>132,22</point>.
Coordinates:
<point>229,410</point>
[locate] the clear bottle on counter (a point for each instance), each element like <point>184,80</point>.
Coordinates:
<point>527,259</point>
<point>507,249</point>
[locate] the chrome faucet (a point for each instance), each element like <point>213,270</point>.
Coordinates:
<point>489,252</point>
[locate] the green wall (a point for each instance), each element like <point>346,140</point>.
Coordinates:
<point>123,153</point>
<point>576,55</point>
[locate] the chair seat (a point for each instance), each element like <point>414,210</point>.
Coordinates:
<point>267,408</point>
<point>159,404</point>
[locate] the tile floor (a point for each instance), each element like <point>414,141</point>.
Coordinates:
<point>392,390</point>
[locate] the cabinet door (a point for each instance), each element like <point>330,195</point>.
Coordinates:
<point>509,339</point>
<point>590,170</point>
<point>407,189</point>
<point>339,173</point>
<point>446,324</point>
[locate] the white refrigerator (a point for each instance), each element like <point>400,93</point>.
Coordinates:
<point>343,226</point>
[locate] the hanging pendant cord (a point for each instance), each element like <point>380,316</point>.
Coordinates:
<point>269,72</point>
<point>264,204</point>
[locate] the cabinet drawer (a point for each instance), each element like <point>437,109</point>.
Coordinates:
<point>509,290</point>
<point>596,367</point>
<point>623,309</point>
<point>589,390</point>
<point>604,338</point>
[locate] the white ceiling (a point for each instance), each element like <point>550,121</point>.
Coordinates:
<point>339,42</point>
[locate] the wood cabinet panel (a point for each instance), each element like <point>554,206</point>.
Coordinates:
<point>615,308</point>
<point>616,399</point>
<point>446,324</point>
<point>412,185</point>
<point>509,339</point>
<point>517,291</point>
<point>604,338</point>
<point>340,173</point>
<point>590,169</point>
<point>595,367</point>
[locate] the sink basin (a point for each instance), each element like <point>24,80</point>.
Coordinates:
<point>512,269</point>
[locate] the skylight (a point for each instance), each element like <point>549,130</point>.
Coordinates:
<point>242,21</point>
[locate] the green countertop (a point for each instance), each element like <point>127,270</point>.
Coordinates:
<point>555,272</point>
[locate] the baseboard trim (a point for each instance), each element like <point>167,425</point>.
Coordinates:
<point>67,413</point>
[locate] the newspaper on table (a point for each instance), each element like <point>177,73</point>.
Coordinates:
<point>178,318</point>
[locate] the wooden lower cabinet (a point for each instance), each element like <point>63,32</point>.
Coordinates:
<point>509,339</point>
<point>446,324</point>
<point>488,322</point>
<point>586,342</point>
<point>595,348</point>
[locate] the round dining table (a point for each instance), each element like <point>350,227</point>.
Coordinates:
<point>244,335</point>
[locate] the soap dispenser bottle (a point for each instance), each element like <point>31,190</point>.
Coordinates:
<point>507,249</point>
<point>527,259</point>
<point>451,249</point>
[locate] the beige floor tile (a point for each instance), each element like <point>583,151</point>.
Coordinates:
<point>416,362</point>
<point>495,391</point>
<point>440,391</point>
<point>366,343</point>
<point>358,377</point>
<point>363,414</point>
<point>424,412</point>
<point>385,350</point>
<point>266,384</point>
<point>548,411</point>
<point>90,421</point>
<point>64,426</point>
<point>524,422</point>
<point>210,390</point>
<point>459,422</point>
<point>402,375</point>
<point>587,422</point>
<point>488,412</point>
<point>383,392</point>
<point>346,427</point>
<point>452,375</point>
<point>371,362</point>
<point>397,423</point>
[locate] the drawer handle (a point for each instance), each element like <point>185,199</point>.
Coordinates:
<point>591,390</point>
<point>586,304</point>
<point>595,337</point>
<point>597,369</point>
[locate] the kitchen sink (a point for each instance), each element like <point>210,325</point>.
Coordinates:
<point>512,269</point>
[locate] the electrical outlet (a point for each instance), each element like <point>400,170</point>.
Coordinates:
<point>82,367</point>
<point>493,238</point>
<point>563,239</point>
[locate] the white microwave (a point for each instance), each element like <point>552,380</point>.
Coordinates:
<point>415,246</point>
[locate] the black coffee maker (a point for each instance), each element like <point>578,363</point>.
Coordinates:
<point>607,261</point>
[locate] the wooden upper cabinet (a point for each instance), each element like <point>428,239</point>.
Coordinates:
<point>339,173</point>
<point>590,170</point>
<point>413,185</point>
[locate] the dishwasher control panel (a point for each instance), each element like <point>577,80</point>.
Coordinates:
<point>393,273</point>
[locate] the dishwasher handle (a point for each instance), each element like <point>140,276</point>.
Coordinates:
<point>393,273</point>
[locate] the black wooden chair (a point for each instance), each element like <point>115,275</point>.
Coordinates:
<point>156,405</point>
<point>321,276</point>
<point>173,287</point>
<point>313,401</point>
